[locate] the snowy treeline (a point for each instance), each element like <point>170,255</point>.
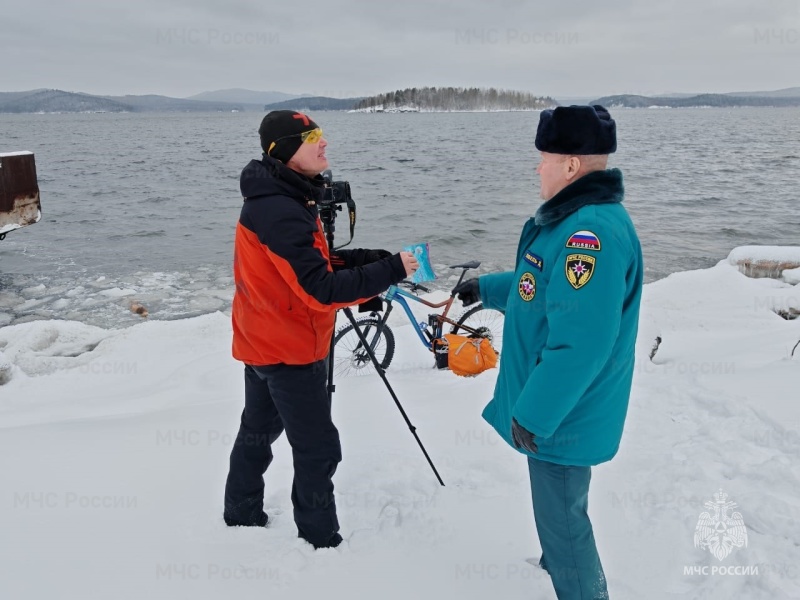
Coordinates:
<point>449,98</point>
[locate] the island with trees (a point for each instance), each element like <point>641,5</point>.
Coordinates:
<point>453,99</point>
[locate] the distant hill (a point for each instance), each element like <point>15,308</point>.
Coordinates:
<point>315,103</point>
<point>49,101</point>
<point>676,95</point>
<point>784,93</point>
<point>9,96</point>
<point>717,100</point>
<point>569,100</point>
<point>157,103</point>
<point>59,101</point>
<point>455,99</point>
<point>240,96</point>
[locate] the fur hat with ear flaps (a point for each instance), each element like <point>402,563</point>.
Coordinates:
<point>576,130</point>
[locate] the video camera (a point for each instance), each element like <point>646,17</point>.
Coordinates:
<point>337,193</point>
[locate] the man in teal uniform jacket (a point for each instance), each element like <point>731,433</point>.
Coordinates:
<point>571,316</point>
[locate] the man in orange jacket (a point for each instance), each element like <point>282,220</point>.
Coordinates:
<point>284,311</point>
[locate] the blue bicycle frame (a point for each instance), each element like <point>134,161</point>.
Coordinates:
<point>395,294</point>
<point>427,333</point>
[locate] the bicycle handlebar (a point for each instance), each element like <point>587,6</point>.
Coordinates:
<point>414,286</point>
<point>466,266</point>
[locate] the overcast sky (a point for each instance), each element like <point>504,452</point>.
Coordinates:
<point>359,47</point>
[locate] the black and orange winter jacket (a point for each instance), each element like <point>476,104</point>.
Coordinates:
<point>287,292</point>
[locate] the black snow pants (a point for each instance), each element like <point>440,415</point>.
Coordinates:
<point>294,398</point>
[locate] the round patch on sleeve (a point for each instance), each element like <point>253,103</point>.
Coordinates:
<point>584,240</point>
<point>527,286</point>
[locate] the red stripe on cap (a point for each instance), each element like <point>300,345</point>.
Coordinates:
<point>301,116</point>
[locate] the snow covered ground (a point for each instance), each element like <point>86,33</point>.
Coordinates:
<point>114,448</point>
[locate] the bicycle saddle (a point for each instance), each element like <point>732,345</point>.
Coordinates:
<point>473,264</point>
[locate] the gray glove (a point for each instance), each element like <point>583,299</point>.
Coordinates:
<point>523,439</point>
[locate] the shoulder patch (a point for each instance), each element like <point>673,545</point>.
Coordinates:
<point>527,286</point>
<point>584,240</point>
<point>534,260</point>
<point>579,269</point>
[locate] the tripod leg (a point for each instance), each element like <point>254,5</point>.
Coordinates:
<point>331,386</point>
<point>382,373</point>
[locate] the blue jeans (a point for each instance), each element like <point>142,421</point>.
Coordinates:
<point>560,503</point>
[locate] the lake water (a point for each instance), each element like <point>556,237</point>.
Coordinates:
<point>142,207</point>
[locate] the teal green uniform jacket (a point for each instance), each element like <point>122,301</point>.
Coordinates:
<point>571,316</point>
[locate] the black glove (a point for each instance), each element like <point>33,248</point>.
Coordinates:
<point>358,257</point>
<point>522,437</point>
<point>469,292</point>
<point>371,256</point>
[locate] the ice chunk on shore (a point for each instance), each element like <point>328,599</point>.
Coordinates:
<point>117,292</point>
<point>35,291</point>
<point>765,261</point>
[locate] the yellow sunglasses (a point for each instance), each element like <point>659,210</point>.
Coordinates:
<point>307,137</point>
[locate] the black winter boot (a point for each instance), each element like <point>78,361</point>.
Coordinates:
<point>334,541</point>
<point>261,520</point>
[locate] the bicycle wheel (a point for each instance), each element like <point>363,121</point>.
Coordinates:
<point>351,358</point>
<point>487,322</point>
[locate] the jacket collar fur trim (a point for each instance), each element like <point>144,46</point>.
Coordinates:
<point>598,187</point>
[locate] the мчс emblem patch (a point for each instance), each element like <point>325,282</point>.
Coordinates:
<point>527,287</point>
<point>584,240</point>
<point>579,269</point>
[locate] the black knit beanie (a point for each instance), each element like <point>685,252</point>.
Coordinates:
<point>283,128</point>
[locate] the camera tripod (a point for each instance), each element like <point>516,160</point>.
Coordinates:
<point>328,218</point>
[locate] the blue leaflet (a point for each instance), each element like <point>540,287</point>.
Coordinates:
<point>425,271</point>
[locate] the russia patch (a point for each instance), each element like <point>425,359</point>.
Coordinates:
<point>534,260</point>
<point>584,240</point>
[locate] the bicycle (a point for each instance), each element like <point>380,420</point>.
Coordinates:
<point>350,356</point>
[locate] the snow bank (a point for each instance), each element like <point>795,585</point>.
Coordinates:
<point>43,347</point>
<point>114,448</point>
<point>765,261</point>
<point>6,369</point>
<point>791,276</point>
